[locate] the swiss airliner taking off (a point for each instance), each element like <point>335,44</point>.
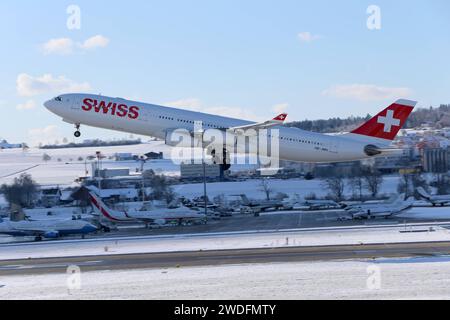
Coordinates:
<point>371,139</point>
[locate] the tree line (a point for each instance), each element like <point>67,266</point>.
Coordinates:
<point>439,117</point>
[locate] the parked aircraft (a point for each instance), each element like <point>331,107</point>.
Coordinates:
<point>49,229</point>
<point>177,127</point>
<point>354,208</point>
<point>384,210</point>
<point>5,145</point>
<point>439,200</point>
<point>321,204</point>
<point>260,205</point>
<point>157,216</point>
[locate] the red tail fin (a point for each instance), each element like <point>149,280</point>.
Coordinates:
<point>282,117</point>
<point>388,122</point>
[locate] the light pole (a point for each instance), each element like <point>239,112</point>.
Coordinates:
<point>201,131</point>
<point>142,162</point>
<point>98,153</point>
<point>204,178</point>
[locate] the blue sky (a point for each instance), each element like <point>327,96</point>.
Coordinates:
<point>250,59</point>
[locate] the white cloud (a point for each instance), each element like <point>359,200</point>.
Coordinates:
<point>367,92</point>
<point>280,108</point>
<point>29,86</point>
<point>97,41</point>
<point>189,103</point>
<point>44,135</point>
<point>308,36</point>
<point>67,46</point>
<point>62,46</point>
<point>195,104</point>
<point>30,104</point>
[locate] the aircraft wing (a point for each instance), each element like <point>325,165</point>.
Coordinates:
<point>279,120</point>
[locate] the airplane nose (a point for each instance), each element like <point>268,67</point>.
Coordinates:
<point>48,104</point>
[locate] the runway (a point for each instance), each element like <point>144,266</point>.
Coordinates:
<point>222,257</point>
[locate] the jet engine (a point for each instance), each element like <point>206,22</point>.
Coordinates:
<point>51,235</point>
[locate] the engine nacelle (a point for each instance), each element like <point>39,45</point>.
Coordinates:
<point>160,222</point>
<point>372,150</point>
<point>51,235</point>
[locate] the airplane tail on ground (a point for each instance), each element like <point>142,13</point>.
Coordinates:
<point>384,127</point>
<point>109,214</point>
<point>245,200</point>
<point>423,193</point>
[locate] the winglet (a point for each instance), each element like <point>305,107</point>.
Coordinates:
<point>282,117</point>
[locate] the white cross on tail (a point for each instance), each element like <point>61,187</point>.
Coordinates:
<point>389,121</point>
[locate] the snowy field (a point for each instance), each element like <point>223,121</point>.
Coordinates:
<point>419,278</point>
<point>14,162</point>
<point>252,188</point>
<point>64,172</point>
<point>221,241</point>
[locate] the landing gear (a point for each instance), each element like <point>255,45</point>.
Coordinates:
<point>77,133</point>
<point>222,159</point>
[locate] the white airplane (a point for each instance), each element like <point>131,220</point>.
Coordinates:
<point>371,139</point>
<point>321,204</point>
<point>384,210</point>
<point>49,229</point>
<point>440,200</point>
<point>357,207</point>
<point>157,216</point>
<point>260,204</point>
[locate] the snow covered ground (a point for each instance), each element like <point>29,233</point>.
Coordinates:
<point>13,162</point>
<point>221,241</point>
<point>420,278</point>
<point>69,168</point>
<point>429,213</point>
<point>64,172</point>
<point>252,188</point>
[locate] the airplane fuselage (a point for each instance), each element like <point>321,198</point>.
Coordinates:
<point>156,121</point>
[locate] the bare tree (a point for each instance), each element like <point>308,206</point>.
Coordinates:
<point>357,185</point>
<point>336,186</point>
<point>410,182</point>
<point>265,187</point>
<point>373,180</point>
<point>356,181</point>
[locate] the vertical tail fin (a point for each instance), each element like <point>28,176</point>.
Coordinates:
<point>385,126</point>
<point>245,200</point>
<point>422,192</point>
<point>109,214</point>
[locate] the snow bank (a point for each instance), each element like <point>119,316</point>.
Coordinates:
<point>220,241</point>
<point>312,280</point>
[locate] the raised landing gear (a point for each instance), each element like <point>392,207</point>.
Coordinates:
<point>77,133</point>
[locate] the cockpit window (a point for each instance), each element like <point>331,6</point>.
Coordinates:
<point>58,99</point>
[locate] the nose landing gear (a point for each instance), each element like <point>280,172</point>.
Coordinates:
<point>77,133</point>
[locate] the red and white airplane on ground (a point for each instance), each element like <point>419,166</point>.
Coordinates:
<point>155,216</point>
<point>371,139</point>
